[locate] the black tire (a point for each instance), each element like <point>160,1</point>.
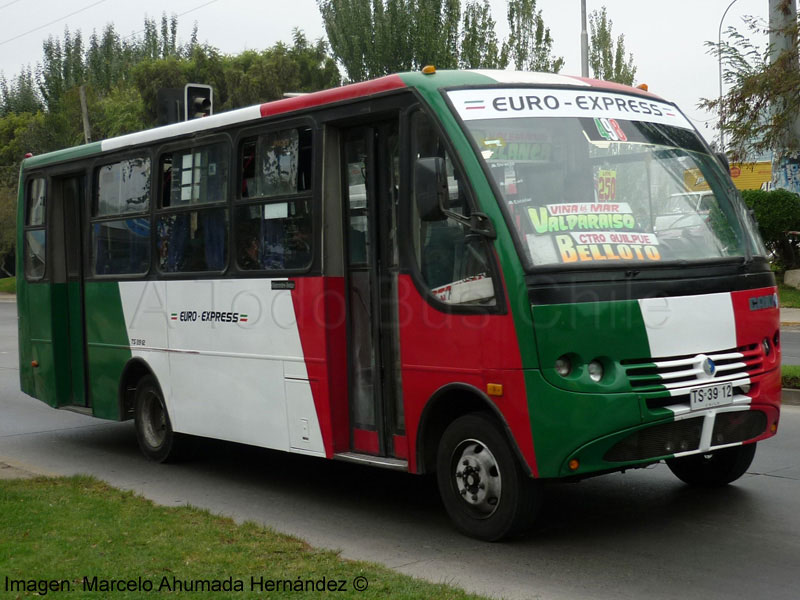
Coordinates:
<point>154,432</point>
<point>483,487</point>
<point>715,469</point>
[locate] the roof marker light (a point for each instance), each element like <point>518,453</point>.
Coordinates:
<point>643,87</point>
<point>428,70</point>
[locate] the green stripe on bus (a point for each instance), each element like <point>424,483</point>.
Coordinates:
<point>108,346</point>
<point>62,155</point>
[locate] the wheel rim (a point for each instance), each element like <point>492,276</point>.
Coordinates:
<point>154,421</point>
<point>477,477</point>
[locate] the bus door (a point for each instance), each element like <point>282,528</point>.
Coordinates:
<point>69,346</point>
<point>371,182</point>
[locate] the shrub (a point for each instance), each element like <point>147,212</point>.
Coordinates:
<point>777,213</point>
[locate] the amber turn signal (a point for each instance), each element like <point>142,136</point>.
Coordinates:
<point>574,464</point>
<point>494,389</point>
<point>34,363</point>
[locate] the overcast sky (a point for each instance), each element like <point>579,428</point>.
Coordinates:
<point>666,38</point>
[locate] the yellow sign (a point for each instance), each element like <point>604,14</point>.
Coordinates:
<point>746,176</point>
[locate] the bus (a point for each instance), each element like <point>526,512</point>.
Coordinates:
<point>478,275</point>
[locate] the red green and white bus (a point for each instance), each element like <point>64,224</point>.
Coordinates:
<point>498,277</point>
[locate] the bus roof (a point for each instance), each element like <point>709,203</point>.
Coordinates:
<point>423,82</point>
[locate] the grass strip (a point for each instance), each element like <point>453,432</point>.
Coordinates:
<point>789,296</point>
<point>8,285</point>
<point>790,376</point>
<point>83,536</point>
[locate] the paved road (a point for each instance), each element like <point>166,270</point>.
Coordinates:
<point>635,535</point>
<point>790,344</point>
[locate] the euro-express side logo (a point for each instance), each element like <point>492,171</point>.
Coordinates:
<point>764,302</point>
<point>208,316</point>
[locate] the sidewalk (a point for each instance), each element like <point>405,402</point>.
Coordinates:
<point>5,297</point>
<point>790,317</point>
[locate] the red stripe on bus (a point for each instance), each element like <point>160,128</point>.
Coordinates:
<point>365,441</point>
<point>319,308</point>
<point>347,92</point>
<point>615,87</point>
<point>439,348</point>
<point>755,322</point>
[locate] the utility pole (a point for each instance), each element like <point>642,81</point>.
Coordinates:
<point>584,42</point>
<point>87,131</point>
<point>785,167</point>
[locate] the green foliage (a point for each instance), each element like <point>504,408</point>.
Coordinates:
<point>607,58</point>
<point>480,47</point>
<point>530,44</point>
<point>777,213</point>
<point>8,220</point>
<point>789,296</point>
<point>8,285</point>
<point>66,529</point>
<point>409,34</point>
<point>790,376</point>
<point>19,96</point>
<point>763,97</point>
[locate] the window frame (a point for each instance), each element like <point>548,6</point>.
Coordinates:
<point>27,228</point>
<point>408,256</point>
<point>158,211</point>
<point>311,195</point>
<point>92,219</point>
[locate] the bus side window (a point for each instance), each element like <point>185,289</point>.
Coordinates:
<point>192,227</point>
<point>273,214</point>
<point>35,234</point>
<point>454,263</point>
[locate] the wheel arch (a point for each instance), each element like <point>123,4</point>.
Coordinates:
<point>134,370</point>
<point>447,404</point>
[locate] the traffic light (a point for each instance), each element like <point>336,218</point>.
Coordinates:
<point>198,100</point>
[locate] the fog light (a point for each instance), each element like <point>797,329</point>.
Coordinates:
<point>776,339</point>
<point>766,347</point>
<point>745,388</point>
<point>563,366</point>
<point>595,370</point>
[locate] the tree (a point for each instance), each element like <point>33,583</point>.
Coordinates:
<point>479,45</point>
<point>763,99</point>
<point>607,58</point>
<point>530,44</point>
<point>370,38</point>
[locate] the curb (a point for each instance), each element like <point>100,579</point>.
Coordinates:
<point>790,396</point>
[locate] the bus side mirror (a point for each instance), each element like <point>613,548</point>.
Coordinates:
<point>430,188</point>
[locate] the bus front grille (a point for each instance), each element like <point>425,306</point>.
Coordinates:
<point>675,372</point>
<point>659,440</point>
<point>732,427</point>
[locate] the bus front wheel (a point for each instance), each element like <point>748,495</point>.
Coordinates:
<point>717,468</point>
<point>483,487</point>
<point>153,428</point>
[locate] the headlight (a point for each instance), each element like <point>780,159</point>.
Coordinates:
<point>595,370</point>
<point>563,366</point>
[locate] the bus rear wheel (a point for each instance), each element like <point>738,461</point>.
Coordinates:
<point>483,487</point>
<point>714,469</point>
<point>154,432</point>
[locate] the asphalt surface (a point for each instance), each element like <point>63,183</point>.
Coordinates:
<point>636,535</point>
<point>790,345</point>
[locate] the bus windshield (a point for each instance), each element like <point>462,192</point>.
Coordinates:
<point>604,179</point>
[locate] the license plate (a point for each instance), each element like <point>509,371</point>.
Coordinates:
<point>711,396</point>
